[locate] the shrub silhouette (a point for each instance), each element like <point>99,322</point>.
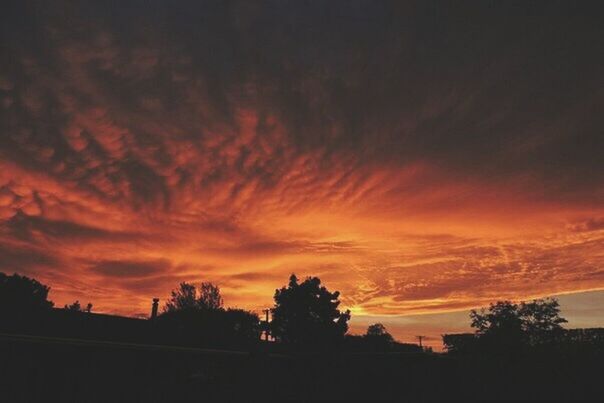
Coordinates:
<point>76,307</point>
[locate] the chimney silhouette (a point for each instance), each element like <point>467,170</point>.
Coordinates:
<point>154,308</point>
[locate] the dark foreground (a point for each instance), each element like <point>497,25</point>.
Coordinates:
<point>36,369</point>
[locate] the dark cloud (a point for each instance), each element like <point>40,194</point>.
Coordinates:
<point>30,228</point>
<point>485,89</point>
<point>592,224</point>
<point>130,269</point>
<point>25,259</point>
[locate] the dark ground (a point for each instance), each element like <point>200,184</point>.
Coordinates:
<point>37,369</point>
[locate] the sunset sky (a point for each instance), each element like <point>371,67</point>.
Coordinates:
<point>422,158</point>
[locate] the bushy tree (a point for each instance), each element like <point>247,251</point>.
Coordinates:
<point>23,294</point>
<point>541,320</point>
<point>209,296</point>
<point>507,325</point>
<point>376,330</point>
<point>307,313</point>
<point>187,297</point>
<point>500,319</point>
<point>183,298</point>
<point>378,337</point>
<point>198,318</point>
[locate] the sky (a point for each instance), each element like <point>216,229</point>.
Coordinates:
<point>423,158</point>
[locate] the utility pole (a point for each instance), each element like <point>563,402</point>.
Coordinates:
<point>266,312</point>
<point>420,338</point>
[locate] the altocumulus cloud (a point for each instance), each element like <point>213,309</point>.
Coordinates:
<point>418,156</point>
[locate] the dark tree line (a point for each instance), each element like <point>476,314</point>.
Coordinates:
<point>306,316</point>
<point>507,327</point>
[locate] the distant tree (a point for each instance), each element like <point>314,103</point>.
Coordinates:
<point>183,298</point>
<point>186,297</point>
<point>378,338</point>
<point>23,294</point>
<point>197,317</point>
<point>509,325</point>
<point>377,330</point>
<point>307,314</point>
<point>76,307</point>
<point>209,296</point>
<point>541,320</point>
<point>499,327</point>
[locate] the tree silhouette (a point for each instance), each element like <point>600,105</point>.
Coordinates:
<point>23,294</point>
<point>76,307</point>
<point>183,298</point>
<point>541,320</point>
<point>186,297</point>
<point>378,337</point>
<point>209,296</point>
<point>195,317</point>
<point>499,327</point>
<point>501,317</point>
<point>506,325</point>
<point>307,314</point>
<point>377,330</point>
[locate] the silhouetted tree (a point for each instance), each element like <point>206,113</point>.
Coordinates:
<point>506,325</point>
<point>23,294</point>
<point>377,330</point>
<point>186,297</point>
<point>541,320</point>
<point>74,307</point>
<point>183,298</point>
<point>499,327</point>
<point>77,307</point>
<point>378,337</point>
<point>209,296</point>
<point>198,318</point>
<point>308,314</point>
